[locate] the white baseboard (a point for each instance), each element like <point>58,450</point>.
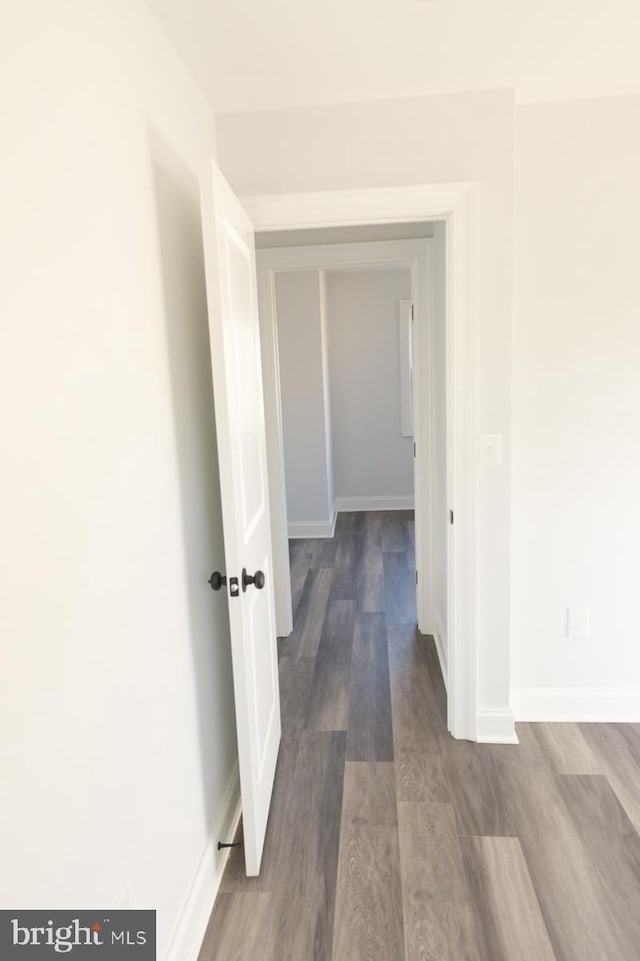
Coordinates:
<point>298,529</point>
<point>576,704</point>
<point>302,529</point>
<point>496,726</point>
<point>191,926</point>
<point>384,503</point>
<point>439,636</point>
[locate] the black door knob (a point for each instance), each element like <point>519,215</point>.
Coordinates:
<point>256,579</point>
<point>217,580</point>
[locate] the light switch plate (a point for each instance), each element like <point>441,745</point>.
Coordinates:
<point>490,450</point>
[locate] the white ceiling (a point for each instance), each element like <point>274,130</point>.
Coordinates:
<point>263,54</point>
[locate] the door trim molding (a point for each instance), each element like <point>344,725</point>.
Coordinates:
<point>454,203</point>
<point>384,503</point>
<point>496,726</point>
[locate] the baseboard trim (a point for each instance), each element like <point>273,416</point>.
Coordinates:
<point>496,726</point>
<point>438,636</point>
<point>191,926</point>
<point>384,503</point>
<point>606,705</point>
<point>302,529</point>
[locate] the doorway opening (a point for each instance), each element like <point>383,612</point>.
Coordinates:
<point>357,326</point>
<point>453,204</point>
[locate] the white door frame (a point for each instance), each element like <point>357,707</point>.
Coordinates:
<point>415,256</point>
<point>454,204</point>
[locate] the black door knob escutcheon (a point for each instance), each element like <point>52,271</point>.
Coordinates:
<point>256,579</point>
<point>217,580</point>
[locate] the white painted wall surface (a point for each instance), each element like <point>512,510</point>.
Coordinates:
<point>576,428</point>
<point>360,50</point>
<point>371,457</point>
<point>116,708</point>
<point>305,411</point>
<point>457,137</point>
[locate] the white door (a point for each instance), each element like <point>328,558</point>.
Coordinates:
<point>237,380</point>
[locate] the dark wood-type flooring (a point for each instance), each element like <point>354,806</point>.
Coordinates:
<point>390,841</point>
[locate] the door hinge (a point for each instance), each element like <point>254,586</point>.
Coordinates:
<point>412,313</point>
<point>416,577</point>
<point>451,517</point>
<point>414,448</point>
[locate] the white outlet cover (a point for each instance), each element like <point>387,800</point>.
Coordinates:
<point>577,622</point>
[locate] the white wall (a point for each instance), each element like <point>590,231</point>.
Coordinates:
<point>576,427</point>
<point>458,137</point>
<point>306,425</point>
<point>116,710</point>
<point>371,457</point>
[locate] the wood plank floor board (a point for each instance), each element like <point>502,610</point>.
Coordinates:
<point>313,806</point>
<point>559,865</point>
<point>368,919</point>
<point>395,535</point>
<point>296,679</point>
<point>370,731</point>
<point>399,588</point>
<point>328,700</point>
<point>303,897</point>
<point>411,531</point>
<point>604,826</point>
<point>300,556</point>
<point>416,712</point>
<point>438,689</point>
<point>351,523</point>
<point>345,569</point>
<point>328,837</point>
<point>439,920</point>
<point>632,844</point>
<point>370,579</point>
<point>619,762</point>
<point>422,776</point>
<point>307,630</point>
<point>406,515</point>
<point>372,529</point>
<point>474,787</point>
<point>290,646</point>
<point>566,748</point>
<point>241,911</point>
<point>631,734</point>
<point>506,903</point>
<point>530,751</point>
<point>324,552</point>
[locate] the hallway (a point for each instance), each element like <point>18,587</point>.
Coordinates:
<point>387,839</point>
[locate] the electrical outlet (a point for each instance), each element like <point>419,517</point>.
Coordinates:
<point>577,622</point>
